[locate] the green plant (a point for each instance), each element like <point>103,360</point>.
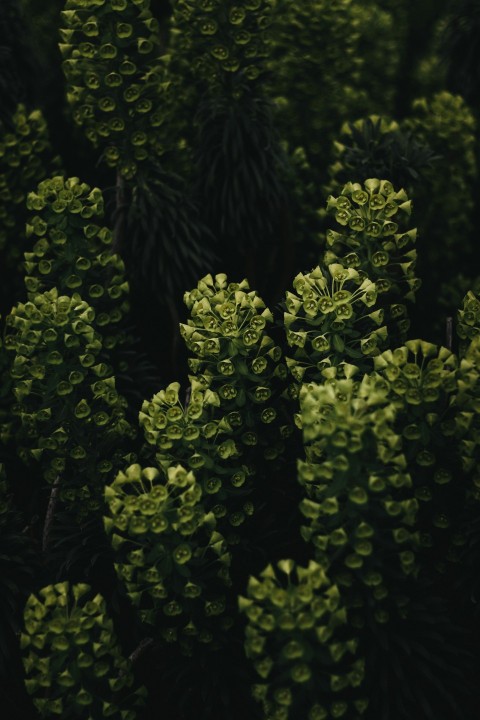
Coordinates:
<point>88,674</point>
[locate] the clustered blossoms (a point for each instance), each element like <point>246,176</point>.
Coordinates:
<point>467,419</point>
<point>445,200</point>
<point>73,664</point>
<point>299,70</point>
<point>73,253</point>
<point>194,436</point>
<point>468,321</point>
<point>372,242</point>
<point>115,80</point>
<point>359,508</point>
<point>331,317</point>
<point>423,381</point>
<point>227,39</point>
<point>295,636</point>
<point>174,564</point>
<point>68,415</point>
<point>25,159</point>
<point>236,358</point>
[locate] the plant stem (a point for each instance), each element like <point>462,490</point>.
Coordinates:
<point>50,513</point>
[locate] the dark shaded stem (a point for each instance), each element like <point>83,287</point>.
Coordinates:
<point>50,513</point>
<point>120,215</point>
<point>449,333</point>
<point>140,649</point>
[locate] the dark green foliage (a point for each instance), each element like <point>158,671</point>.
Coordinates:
<point>17,570</point>
<point>461,42</point>
<point>377,147</point>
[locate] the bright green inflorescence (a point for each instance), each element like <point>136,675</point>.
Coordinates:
<point>296,638</point>
<point>73,663</point>
<point>173,562</point>
<point>115,81</point>
<point>423,380</point>
<point>200,437</point>
<point>371,240</point>
<point>228,39</point>
<point>74,254</point>
<point>359,509</point>
<point>238,360</point>
<point>25,159</point>
<point>68,415</point>
<point>331,319</point>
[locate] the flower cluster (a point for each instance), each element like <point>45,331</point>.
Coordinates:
<point>294,616</point>
<point>331,317</point>
<point>371,240</point>
<point>115,81</point>
<point>194,436</point>
<point>237,359</point>
<point>228,39</point>
<point>423,381</point>
<point>355,37</point>
<point>68,415</point>
<point>467,423</point>
<point>73,663</point>
<point>74,254</point>
<point>445,199</point>
<point>25,159</point>
<point>360,508</point>
<point>174,564</point>
<point>468,321</point>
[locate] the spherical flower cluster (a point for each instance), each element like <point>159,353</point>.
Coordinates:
<point>424,381</point>
<point>370,240</point>
<point>331,317</point>
<point>74,254</point>
<point>203,439</point>
<point>295,619</point>
<point>73,663</point>
<point>468,321</point>
<point>236,358</point>
<point>68,415</point>
<point>25,159</point>
<point>115,80</point>
<point>363,530</point>
<point>227,39</point>
<point>172,560</point>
